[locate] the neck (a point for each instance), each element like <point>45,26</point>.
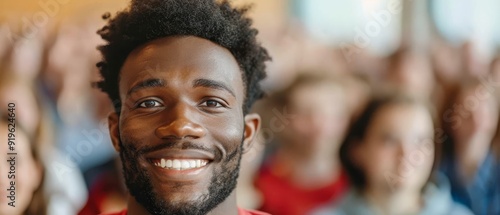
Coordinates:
<point>470,153</point>
<point>228,206</point>
<point>394,202</point>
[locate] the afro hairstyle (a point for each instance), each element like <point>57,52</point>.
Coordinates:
<point>147,20</point>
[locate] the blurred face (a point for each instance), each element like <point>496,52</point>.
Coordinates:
<point>181,131</point>
<point>414,75</point>
<point>27,174</point>
<point>319,115</point>
<point>397,152</point>
<point>26,57</point>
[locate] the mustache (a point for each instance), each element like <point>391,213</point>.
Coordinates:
<point>172,144</point>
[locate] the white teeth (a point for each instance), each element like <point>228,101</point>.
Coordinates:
<point>185,164</point>
<point>176,164</point>
<point>181,164</point>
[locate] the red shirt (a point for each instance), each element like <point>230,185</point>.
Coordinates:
<point>240,212</point>
<point>281,197</point>
<point>100,192</point>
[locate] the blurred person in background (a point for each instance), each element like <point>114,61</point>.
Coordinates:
<point>67,75</point>
<point>305,171</point>
<point>16,89</point>
<point>30,198</point>
<point>81,116</point>
<point>4,39</point>
<point>410,72</point>
<point>63,184</point>
<point>24,58</point>
<point>358,93</point>
<point>473,63</point>
<point>389,156</point>
<point>470,157</point>
<point>447,64</point>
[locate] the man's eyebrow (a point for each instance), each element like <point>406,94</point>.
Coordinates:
<point>148,83</point>
<point>212,84</point>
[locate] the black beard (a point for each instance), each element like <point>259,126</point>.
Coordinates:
<point>138,182</point>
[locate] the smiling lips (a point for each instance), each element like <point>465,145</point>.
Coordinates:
<point>179,164</point>
<point>175,163</point>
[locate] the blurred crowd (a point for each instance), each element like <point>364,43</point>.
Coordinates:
<point>412,132</point>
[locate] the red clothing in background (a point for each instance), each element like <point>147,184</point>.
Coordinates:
<point>106,190</point>
<point>250,212</point>
<point>280,197</point>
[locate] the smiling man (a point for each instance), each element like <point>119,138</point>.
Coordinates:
<point>183,75</point>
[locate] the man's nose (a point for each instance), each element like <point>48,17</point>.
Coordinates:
<point>179,124</point>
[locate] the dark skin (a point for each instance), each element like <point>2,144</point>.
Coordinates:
<point>177,90</point>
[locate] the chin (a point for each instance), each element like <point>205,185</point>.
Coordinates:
<point>180,197</point>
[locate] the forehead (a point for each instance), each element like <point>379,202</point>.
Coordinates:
<point>316,91</point>
<point>402,118</point>
<point>319,96</point>
<point>181,59</point>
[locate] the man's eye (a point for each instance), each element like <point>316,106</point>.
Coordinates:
<point>149,104</point>
<point>212,103</point>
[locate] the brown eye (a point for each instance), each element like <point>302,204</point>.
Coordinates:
<point>212,103</point>
<point>149,104</point>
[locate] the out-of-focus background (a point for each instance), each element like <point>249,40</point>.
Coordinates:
<point>331,58</point>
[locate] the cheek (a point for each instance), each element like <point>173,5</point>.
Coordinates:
<point>385,155</point>
<point>300,125</point>
<point>337,127</point>
<point>379,160</point>
<point>228,131</point>
<point>417,172</point>
<point>425,166</point>
<point>136,130</point>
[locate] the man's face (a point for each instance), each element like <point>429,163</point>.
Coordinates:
<point>181,131</point>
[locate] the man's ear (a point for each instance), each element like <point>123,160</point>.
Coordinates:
<point>252,126</point>
<point>113,120</point>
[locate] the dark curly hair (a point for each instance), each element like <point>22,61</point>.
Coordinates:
<point>147,20</point>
